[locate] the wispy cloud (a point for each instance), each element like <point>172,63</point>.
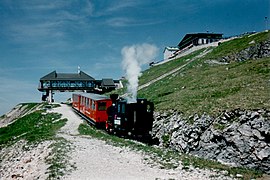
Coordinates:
<point>29,32</point>
<point>36,20</point>
<point>123,22</point>
<point>116,6</point>
<point>119,22</point>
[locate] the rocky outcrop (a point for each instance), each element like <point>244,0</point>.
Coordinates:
<point>237,138</point>
<point>256,51</point>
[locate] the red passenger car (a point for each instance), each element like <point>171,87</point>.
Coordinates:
<point>92,106</point>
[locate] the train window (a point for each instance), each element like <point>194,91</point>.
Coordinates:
<point>102,106</point>
<point>123,108</point>
<point>119,108</point>
<point>87,102</point>
<point>93,105</point>
<point>149,109</point>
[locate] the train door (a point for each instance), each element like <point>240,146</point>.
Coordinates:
<point>121,119</point>
<point>101,111</point>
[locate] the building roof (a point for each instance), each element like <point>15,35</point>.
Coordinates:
<point>189,37</point>
<point>81,76</point>
<point>171,48</point>
<point>95,97</point>
<point>107,83</point>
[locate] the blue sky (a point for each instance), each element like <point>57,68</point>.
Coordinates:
<point>38,36</point>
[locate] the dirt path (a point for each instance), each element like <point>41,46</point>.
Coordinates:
<point>94,159</point>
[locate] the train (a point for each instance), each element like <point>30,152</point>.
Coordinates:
<point>115,114</point>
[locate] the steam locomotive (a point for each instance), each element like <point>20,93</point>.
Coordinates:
<point>115,114</point>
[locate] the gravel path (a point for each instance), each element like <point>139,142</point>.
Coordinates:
<point>94,159</point>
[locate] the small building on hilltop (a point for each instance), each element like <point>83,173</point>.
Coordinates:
<point>197,39</point>
<point>169,52</point>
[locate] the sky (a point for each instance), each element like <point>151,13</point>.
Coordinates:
<point>38,36</point>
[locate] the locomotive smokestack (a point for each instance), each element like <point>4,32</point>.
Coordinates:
<point>114,97</point>
<point>133,58</point>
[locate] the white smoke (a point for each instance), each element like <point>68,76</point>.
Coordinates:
<point>134,57</point>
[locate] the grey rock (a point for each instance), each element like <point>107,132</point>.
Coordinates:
<point>254,115</point>
<point>245,130</point>
<point>257,134</point>
<point>264,153</point>
<point>239,176</point>
<point>244,142</point>
<point>207,136</point>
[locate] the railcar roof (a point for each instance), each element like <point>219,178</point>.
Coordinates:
<point>95,97</point>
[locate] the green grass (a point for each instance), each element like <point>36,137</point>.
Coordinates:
<point>166,158</point>
<point>224,49</point>
<point>201,87</point>
<point>159,70</point>
<point>213,89</point>
<point>33,128</point>
<point>238,44</point>
<point>29,106</point>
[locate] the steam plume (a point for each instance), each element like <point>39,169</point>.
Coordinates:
<point>133,58</point>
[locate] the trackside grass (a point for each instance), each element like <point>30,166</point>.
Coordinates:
<point>166,158</point>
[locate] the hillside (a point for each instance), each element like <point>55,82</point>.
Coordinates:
<point>215,102</point>
<point>52,142</point>
<point>230,76</point>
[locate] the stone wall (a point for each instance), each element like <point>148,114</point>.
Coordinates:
<point>237,138</point>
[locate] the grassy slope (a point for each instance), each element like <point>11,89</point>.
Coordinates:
<point>35,128</point>
<point>157,71</point>
<point>238,44</point>
<point>208,88</point>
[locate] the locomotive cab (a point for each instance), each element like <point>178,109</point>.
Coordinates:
<point>131,118</point>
